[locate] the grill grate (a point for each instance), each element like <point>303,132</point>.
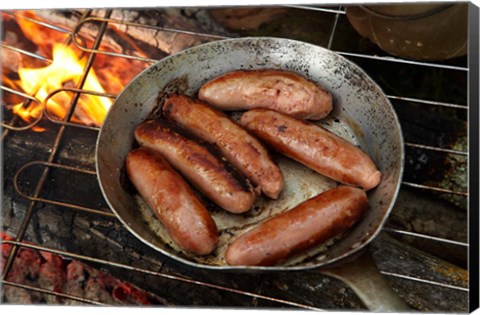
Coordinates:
<point>50,163</point>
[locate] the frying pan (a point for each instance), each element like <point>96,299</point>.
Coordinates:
<point>362,114</point>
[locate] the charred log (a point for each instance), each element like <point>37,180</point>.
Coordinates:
<point>431,216</point>
<point>160,36</point>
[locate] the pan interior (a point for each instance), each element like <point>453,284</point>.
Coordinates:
<point>362,115</point>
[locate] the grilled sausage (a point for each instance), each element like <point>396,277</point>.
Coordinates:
<point>173,201</point>
<point>309,224</point>
<point>241,149</point>
<point>284,91</point>
<point>313,146</point>
<point>199,165</point>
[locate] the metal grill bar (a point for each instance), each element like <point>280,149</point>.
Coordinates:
<point>78,91</point>
<point>427,102</point>
<point>27,53</point>
<point>326,10</point>
<point>418,235</point>
<point>399,60</point>
<point>334,28</point>
<point>39,22</point>
<point>437,189</point>
<point>53,293</point>
<point>392,274</point>
<point>427,147</point>
<point>97,51</point>
<point>132,24</point>
<point>104,212</point>
<point>27,96</point>
<point>14,120</point>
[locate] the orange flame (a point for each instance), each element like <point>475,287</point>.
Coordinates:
<point>66,68</point>
<point>65,71</point>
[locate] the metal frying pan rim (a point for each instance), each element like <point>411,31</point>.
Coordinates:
<point>316,265</point>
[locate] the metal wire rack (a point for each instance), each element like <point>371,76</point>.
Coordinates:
<point>35,198</point>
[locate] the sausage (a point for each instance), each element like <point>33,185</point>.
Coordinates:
<point>313,146</point>
<point>173,201</point>
<point>284,91</point>
<point>240,148</point>
<point>200,166</point>
<point>311,223</point>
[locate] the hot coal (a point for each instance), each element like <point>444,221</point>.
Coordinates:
<point>52,272</point>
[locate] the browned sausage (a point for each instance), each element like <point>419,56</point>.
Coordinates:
<point>284,91</point>
<point>241,149</point>
<point>299,229</point>
<point>313,146</point>
<point>199,165</point>
<point>173,201</point>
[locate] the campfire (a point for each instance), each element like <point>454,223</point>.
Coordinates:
<point>49,68</point>
<point>67,64</point>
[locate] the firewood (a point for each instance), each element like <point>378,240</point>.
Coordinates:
<point>169,42</point>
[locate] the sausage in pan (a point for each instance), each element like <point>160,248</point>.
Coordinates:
<point>309,224</point>
<point>242,150</point>
<point>199,165</point>
<point>173,201</point>
<point>313,146</point>
<point>284,91</point>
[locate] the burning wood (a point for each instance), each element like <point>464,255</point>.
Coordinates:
<point>167,41</point>
<point>14,60</point>
<point>66,69</point>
